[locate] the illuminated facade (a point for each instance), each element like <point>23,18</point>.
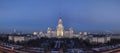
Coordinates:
<point>60,28</point>
<point>59,32</point>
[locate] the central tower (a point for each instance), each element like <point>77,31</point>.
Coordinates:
<point>60,28</point>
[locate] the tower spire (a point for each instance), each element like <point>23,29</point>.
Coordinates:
<point>60,20</point>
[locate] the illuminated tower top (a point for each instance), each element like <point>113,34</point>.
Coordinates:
<point>60,20</point>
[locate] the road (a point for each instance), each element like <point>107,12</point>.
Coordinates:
<point>9,50</point>
<point>117,50</point>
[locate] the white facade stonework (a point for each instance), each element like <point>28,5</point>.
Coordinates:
<point>99,39</point>
<point>21,38</point>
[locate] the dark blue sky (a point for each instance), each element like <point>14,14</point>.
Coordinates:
<point>82,15</point>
